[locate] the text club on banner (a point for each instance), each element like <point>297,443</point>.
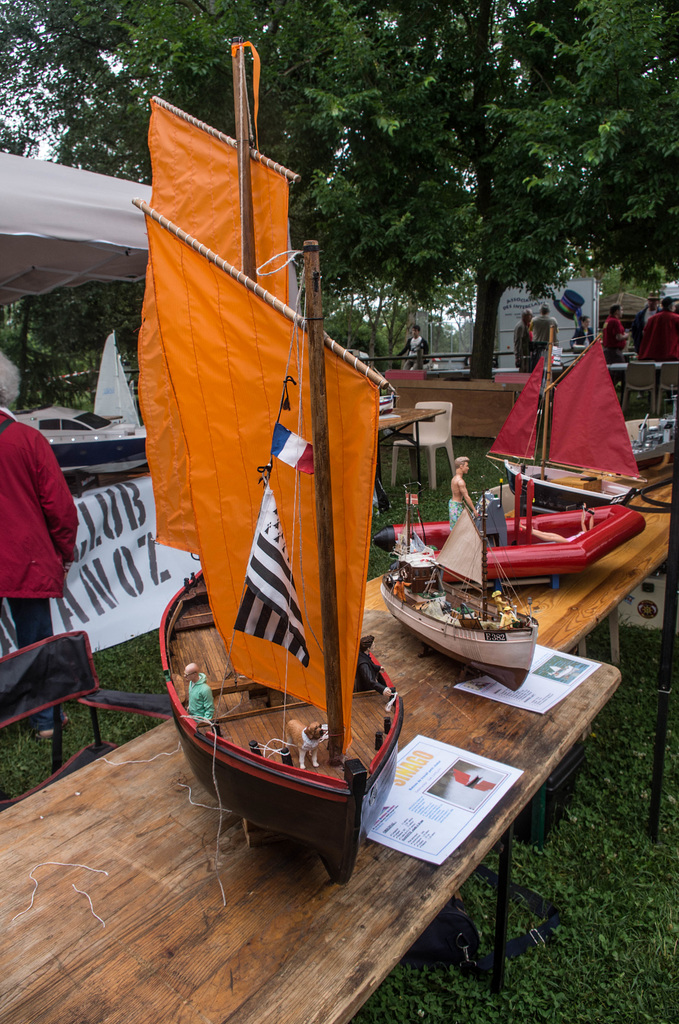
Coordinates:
<point>121,580</point>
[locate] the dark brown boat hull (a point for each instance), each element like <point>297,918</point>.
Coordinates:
<point>329,816</point>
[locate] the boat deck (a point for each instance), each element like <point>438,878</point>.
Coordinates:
<point>242,708</point>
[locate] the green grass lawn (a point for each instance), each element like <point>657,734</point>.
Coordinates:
<point>614,958</point>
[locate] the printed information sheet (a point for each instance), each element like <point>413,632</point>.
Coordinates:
<point>552,677</point>
<point>439,796</point>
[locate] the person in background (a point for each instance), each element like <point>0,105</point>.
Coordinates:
<point>522,340</point>
<point>660,340</point>
<point>412,347</point>
<point>642,318</point>
<point>542,327</point>
<point>39,527</point>
<point>614,335</point>
<point>583,335</point>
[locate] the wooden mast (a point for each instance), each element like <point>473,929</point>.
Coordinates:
<point>242,111</point>
<point>324,520</point>
<point>484,560</point>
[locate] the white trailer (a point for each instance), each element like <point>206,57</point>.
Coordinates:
<point>515,300</point>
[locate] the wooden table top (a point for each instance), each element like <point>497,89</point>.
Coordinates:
<point>404,416</point>
<point>288,945</point>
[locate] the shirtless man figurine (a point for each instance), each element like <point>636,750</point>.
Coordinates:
<point>460,496</point>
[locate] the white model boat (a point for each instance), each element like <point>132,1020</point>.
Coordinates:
<point>108,440</point>
<point>654,440</point>
<point>459,620</point>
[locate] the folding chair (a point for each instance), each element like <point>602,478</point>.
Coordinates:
<point>46,675</point>
<point>51,673</point>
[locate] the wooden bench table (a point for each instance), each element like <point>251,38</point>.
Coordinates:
<point>289,945</point>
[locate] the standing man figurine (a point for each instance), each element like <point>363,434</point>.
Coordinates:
<point>522,339</point>
<point>39,527</point>
<point>459,491</point>
<point>412,347</point>
<point>615,335</point>
<point>542,325</point>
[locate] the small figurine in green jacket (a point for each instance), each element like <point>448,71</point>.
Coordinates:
<point>201,703</point>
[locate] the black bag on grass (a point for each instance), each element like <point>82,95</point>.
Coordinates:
<point>451,938</point>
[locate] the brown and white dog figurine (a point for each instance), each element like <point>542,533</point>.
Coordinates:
<point>305,739</point>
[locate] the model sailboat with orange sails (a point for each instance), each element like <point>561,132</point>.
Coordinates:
<point>569,437</point>
<point>275,621</point>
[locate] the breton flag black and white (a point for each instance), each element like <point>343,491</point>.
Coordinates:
<point>269,608</point>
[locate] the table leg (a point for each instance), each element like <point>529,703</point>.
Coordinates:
<point>383,503</point>
<point>502,909</point>
<point>614,632</point>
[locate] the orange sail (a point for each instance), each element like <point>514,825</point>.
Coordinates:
<point>227,354</point>
<point>195,184</point>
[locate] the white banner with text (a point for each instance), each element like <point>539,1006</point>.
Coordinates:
<point>121,580</point>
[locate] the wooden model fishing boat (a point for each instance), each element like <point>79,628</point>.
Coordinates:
<point>590,456</point>
<point>330,809</point>
<point>225,366</point>
<point>455,614</point>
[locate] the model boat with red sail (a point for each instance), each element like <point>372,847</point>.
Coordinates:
<point>585,452</point>
<point>227,368</point>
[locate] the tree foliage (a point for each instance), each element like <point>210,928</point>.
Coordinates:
<point>607,134</point>
<point>504,142</point>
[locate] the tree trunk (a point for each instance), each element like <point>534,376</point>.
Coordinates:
<point>27,303</point>
<point>488,294</point>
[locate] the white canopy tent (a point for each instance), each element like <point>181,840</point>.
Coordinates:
<point>64,226</point>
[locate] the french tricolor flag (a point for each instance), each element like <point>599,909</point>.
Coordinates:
<point>292,449</point>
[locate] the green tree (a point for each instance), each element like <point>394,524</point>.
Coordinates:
<point>434,141</point>
<point>607,135</point>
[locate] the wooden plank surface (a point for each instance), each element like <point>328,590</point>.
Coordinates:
<point>289,945</point>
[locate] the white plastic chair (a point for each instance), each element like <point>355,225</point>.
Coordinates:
<point>640,376</point>
<point>669,381</point>
<point>433,436</point>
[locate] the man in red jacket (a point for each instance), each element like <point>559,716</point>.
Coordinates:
<point>660,340</point>
<point>38,526</point>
